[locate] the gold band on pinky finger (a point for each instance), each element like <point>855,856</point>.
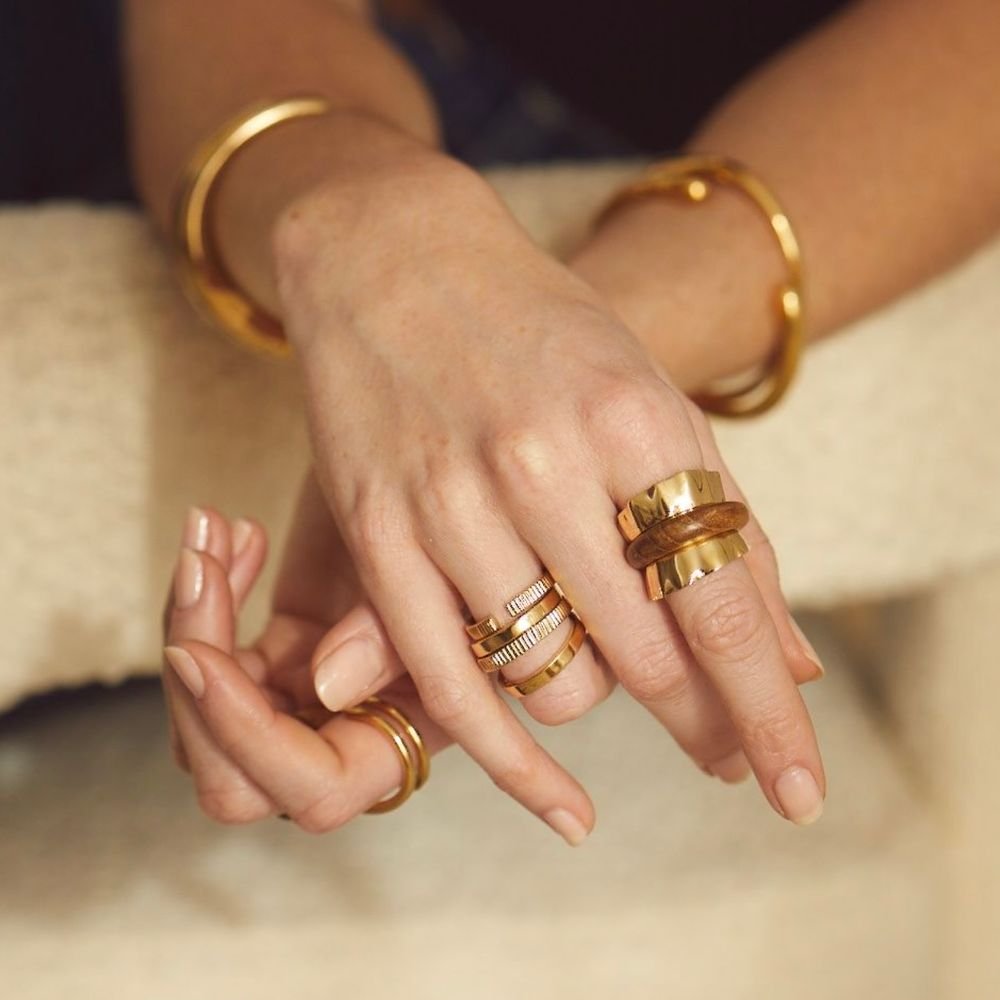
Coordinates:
<point>552,669</point>
<point>406,789</point>
<point>692,563</point>
<point>393,714</point>
<point>527,640</point>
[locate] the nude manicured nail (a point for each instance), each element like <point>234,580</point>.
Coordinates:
<point>567,826</point>
<point>807,647</point>
<point>196,530</point>
<point>186,668</point>
<point>799,796</point>
<point>346,674</point>
<point>189,579</point>
<point>242,530</point>
<point>732,769</point>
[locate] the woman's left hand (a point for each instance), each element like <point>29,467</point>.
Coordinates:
<point>236,712</point>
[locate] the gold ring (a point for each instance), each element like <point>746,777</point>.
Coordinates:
<point>530,618</point>
<point>667,498</point>
<point>409,784</point>
<point>688,499</point>
<point>672,534</point>
<point>692,563</point>
<point>518,604</point>
<point>390,711</point>
<point>530,639</point>
<point>552,669</point>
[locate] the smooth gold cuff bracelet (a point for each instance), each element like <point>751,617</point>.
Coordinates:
<point>692,178</point>
<point>204,275</point>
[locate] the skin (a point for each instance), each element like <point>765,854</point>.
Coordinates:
<point>364,237</point>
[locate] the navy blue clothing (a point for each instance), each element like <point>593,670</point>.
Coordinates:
<point>583,81</point>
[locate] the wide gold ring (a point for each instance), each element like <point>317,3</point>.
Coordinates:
<point>686,527</point>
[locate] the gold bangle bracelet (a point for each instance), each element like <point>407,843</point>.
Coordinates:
<point>204,276</point>
<point>692,177</point>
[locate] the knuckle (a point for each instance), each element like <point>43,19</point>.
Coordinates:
<point>775,732</point>
<point>728,625</point>
<point>526,456</point>
<point>324,814</point>
<point>517,771</point>
<point>447,700</point>
<point>627,413</point>
<point>557,706</point>
<point>655,673</point>
<point>448,490</point>
<point>378,527</point>
<point>233,805</point>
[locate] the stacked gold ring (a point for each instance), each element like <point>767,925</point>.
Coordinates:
<point>537,611</point>
<point>408,743</point>
<point>681,529</point>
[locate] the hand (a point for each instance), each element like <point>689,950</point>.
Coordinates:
<point>478,413</point>
<point>235,712</point>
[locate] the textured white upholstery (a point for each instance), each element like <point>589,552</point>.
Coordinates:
<point>117,409</point>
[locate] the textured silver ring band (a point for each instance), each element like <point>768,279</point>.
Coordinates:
<point>524,642</point>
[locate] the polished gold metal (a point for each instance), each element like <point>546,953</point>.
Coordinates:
<point>204,275</point>
<point>527,640</point>
<point>393,715</point>
<point>667,498</point>
<point>528,597</point>
<point>692,178</point>
<point>409,784</point>
<point>552,669</point>
<point>531,617</point>
<point>666,537</point>
<point>693,563</point>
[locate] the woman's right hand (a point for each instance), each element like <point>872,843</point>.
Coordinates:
<point>477,414</point>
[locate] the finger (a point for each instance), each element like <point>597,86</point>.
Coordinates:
<point>204,529</point>
<point>202,609</point>
<point>424,623</point>
<point>800,657</point>
<point>354,660</point>
<point>730,631</point>
<point>249,544</point>
<point>577,537</point>
<point>320,778</point>
<point>476,547</point>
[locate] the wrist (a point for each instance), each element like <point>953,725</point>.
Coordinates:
<point>280,170</point>
<point>384,242</point>
<point>694,282</point>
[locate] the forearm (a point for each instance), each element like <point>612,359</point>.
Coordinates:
<point>192,65</point>
<point>877,133</point>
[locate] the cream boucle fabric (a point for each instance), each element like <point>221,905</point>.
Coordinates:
<point>114,886</point>
<point>117,409</point>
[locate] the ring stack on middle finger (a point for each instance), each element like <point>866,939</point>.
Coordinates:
<point>537,611</point>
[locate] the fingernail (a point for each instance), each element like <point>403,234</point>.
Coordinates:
<point>242,530</point>
<point>732,769</point>
<point>196,530</point>
<point>807,648</point>
<point>346,674</point>
<point>186,668</point>
<point>799,796</point>
<point>189,578</point>
<point>567,826</point>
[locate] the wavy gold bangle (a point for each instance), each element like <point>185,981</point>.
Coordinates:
<point>204,276</point>
<point>692,177</point>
